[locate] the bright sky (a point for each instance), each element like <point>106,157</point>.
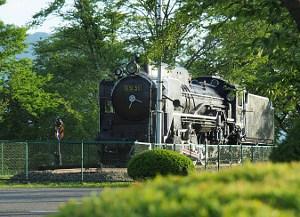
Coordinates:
<point>19,12</point>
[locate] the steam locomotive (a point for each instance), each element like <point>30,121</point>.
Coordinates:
<point>204,110</point>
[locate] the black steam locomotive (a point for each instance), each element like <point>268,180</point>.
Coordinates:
<point>205,110</point>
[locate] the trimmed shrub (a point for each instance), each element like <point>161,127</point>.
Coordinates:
<point>148,164</point>
<point>250,191</point>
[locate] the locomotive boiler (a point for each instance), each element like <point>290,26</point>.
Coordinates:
<point>203,110</point>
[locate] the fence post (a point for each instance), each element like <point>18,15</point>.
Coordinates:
<point>2,160</point>
<point>87,162</point>
<point>241,160</point>
<point>82,161</point>
<point>218,156</point>
<point>26,161</point>
<point>230,150</point>
<point>252,153</point>
<point>205,156</point>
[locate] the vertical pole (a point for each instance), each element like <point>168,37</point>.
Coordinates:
<point>26,160</point>
<point>82,161</point>
<point>230,150</point>
<point>218,156</point>
<point>159,80</point>
<point>59,153</point>
<point>241,160</point>
<point>2,160</point>
<point>87,162</point>
<point>205,155</point>
<point>252,153</point>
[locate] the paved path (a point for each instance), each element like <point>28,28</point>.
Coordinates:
<point>38,202</point>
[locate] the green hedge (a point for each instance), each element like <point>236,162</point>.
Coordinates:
<point>150,163</point>
<point>250,191</point>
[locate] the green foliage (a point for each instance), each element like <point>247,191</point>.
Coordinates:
<point>178,34</point>
<point>289,150</point>
<point>11,43</point>
<point>248,191</point>
<point>23,94</point>
<point>26,87</point>
<point>255,44</point>
<point>77,57</point>
<point>150,163</point>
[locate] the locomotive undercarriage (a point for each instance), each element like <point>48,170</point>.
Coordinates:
<point>201,129</point>
<point>207,128</point>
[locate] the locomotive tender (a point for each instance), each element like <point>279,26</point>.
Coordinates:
<point>205,110</point>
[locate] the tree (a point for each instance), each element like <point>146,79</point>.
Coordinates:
<point>78,56</point>
<point>23,98</point>
<point>257,46</point>
<point>9,34</point>
<point>178,39</point>
<point>289,150</point>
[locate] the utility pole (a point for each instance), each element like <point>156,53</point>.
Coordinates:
<point>159,80</point>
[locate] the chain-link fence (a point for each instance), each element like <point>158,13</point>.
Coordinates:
<point>216,156</point>
<point>13,158</point>
<point>40,161</point>
<point>81,161</point>
<point>45,155</point>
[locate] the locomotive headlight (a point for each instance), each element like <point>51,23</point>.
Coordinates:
<point>119,72</point>
<point>132,68</point>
